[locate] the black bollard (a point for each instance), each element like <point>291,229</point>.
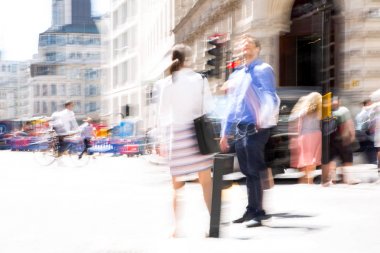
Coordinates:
<point>223,164</point>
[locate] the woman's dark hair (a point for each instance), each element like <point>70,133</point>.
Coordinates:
<point>180,53</point>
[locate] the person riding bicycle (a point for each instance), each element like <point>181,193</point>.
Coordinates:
<point>65,125</point>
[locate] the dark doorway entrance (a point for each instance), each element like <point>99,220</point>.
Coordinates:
<point>304,49</point>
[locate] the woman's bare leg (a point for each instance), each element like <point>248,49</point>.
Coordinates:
<point>176,186</point>
<point>206,183</point>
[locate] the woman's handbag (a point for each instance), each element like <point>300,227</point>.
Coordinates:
<point>207,141</point>
<point>204,130</point>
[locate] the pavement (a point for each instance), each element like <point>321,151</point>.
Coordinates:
<point>120,204</point>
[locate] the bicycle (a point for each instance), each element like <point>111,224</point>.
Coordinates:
<point>47,150</point>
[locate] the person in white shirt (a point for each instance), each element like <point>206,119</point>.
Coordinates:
<point>64,124</point>
<point>185,96</point>
<point>375,98</point>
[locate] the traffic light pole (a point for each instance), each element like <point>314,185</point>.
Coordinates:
<point>326,95</point>
<point>228,58</point>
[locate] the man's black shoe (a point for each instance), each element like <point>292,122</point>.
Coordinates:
<point>246,217</point>
<point>255,222</point>
<point>264,217</point>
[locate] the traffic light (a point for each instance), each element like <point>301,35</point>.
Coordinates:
<point>125,111</point>
<point>214,55</point>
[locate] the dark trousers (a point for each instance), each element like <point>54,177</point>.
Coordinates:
<point>62,144</point>
<point>369,150</point>
<point>250,151</point>
<point>87,145</point>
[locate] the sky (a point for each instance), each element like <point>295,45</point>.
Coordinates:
<point>21,21</point>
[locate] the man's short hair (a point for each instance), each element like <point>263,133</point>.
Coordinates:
<point>69,102</point>
<point>253,39</point>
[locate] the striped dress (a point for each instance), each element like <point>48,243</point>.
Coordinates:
<point>184,157</point>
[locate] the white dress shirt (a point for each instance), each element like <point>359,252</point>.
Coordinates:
<point>64,122</point>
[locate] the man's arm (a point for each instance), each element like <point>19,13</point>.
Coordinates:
<point>268,104</point>
<point>230,114</point>
<point>266,79</point>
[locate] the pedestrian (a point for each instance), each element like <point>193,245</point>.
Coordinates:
<point>341,141</point>
<point>87,133</point>
<point>306,147</point>
<point>253,108</point>
<point>184,97</point>
<point>364,130</point>
<point>375,98</point>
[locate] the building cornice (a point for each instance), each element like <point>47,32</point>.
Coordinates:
<point>195,22</point>
<point>188,15</point>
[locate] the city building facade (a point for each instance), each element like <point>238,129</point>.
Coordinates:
<point>158,42</point>
<point>139,43</point>
<point>121,90</point>
<point>68,63</point>
<point>308,42</point>
<point>14,90</point>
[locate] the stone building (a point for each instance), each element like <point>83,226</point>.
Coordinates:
<point>67,66</point>
<point>14,90</point>
<point>308,42</point>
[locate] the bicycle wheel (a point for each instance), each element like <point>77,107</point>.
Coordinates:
<point>46,149</point>
<point>44,157</point>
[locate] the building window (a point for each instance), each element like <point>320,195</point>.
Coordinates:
<point>44,90</point>
<point>115,19</point>
<point>36,90</point>
<point>53,90</point>
<point>77,106</point>
<point>91,107</point>
<point>62,90</point>
<point>75,90</point>
<point>124,72</point>
<point>70,39</point>
<point>43,40</point>
<point>61,40</point>
<point>115,77</point>
<point>44,107</point>
<point>132,69</point>
<point>124,12</point>
<point>53,106</point>
<point>51,56</point>
<point>91,74</point>
<point>132,8</point>
<point>37,107</point>
<point>61,105</point>
<point>91,90</point>
<point>51,39</point>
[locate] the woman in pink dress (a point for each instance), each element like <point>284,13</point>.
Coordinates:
<point>306,148</point>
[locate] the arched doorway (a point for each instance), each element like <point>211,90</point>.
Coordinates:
<point>307,52</point>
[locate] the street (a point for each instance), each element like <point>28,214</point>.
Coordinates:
<point>120,204</point>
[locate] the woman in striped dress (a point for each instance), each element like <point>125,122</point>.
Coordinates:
<point>185,96</point>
